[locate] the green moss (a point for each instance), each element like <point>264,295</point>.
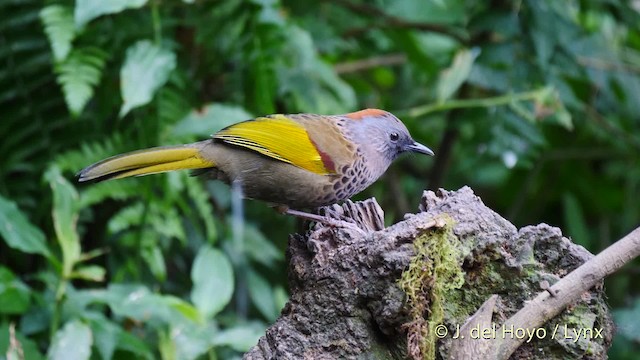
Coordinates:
<point>431,278</point>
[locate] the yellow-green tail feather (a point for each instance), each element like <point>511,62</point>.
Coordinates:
<point>145,162</point>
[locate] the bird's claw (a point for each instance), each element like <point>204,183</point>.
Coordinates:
<point>327,221</point>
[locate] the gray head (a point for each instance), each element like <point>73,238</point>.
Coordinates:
<point>382,136</point>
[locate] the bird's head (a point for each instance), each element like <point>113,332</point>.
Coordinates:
<point>380,133</point>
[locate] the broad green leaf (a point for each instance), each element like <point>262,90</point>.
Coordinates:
<point>574,218</point>
<point>209,119</point>
<point>78,75</point>
<point>146,68</point>
<point>436,46</point>
<point>564,118</point>
<point>280,297</point>
<point>259,248</point>
<point>18,232</point>
<point>192,340</point>
<point>14,294</point>
<point>35,320</point>
<point>109,336</point>
<point>547,30</point>
<point>261,294</point>
<point>201,201</point>
<point>384,77</point>
<point>186,309</point>
<point>271,15</point>
<point>263,88</point>
<point>138,303</point>
<point>154,258</point>
<point>166,346</point>
<point>488,78</point>
<point>65,217</point>
<point>87,10</point>
<point>58,25</point>
<point>454,76</point>
<point>265,3</point>
<point>213,283</point>
<point>240,337</point>
<point>310,82</point>
<point>435,11</point>
<point>91,273</point>
<point>412,45</point>
<point>627,322</point>
<point>270,12</point>
<point>131,342</point>
<point>71,342</point>
<point>106,334</point>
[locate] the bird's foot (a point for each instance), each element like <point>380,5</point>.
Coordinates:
<point>334,223</point>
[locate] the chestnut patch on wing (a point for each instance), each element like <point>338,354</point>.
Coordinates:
<point>326,159</point>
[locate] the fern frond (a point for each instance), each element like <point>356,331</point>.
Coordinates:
<point>89,153</point>
<point>78,74</point>
<point>172,104</point>
<point>163,220</point>
<point>30,108</point>
<point>166,221</point>
<point>126,218</point>
<point>200,198</point>
<point>58,25</point>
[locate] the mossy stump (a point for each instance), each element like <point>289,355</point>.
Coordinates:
<point>356,296</point>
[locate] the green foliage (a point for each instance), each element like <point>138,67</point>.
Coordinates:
<point>626,343</point>
<point>58,25</point>
<point>212,277</point>
<point>78,74</point>
<point>65,217</point>
<point>14,294</point>
<point>87,10</point>
<point>453,77</point>
<point>17,232</point>
<point>199,122</point>
<point>532,103</point>
<point>146,68</point>
<point>73,342</point>
<point>310,82</point>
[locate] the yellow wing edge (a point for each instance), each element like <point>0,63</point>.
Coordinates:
<point>277,137</point>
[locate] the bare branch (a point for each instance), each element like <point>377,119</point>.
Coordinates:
<point>566,291</point>
<point>366,64</point>
<point>607,66</point>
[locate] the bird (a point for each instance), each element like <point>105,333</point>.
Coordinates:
<point>294,162</point>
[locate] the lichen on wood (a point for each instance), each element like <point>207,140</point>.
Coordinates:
<point>433,274</point>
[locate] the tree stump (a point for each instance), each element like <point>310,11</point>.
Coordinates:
<point>351,297</point>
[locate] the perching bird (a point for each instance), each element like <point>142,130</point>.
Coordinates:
<point>298,161</point>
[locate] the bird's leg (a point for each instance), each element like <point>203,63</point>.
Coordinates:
<point>283,209</point>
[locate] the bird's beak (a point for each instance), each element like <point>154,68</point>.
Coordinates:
<point>418,148</point>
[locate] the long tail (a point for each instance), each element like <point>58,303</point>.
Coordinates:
<point>145,162</point>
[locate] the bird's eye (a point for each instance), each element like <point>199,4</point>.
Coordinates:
<point>394,136</point>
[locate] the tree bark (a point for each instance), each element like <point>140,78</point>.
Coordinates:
<point>349,296</point>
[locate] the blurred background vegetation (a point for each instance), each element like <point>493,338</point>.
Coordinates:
<point>532,103</point>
